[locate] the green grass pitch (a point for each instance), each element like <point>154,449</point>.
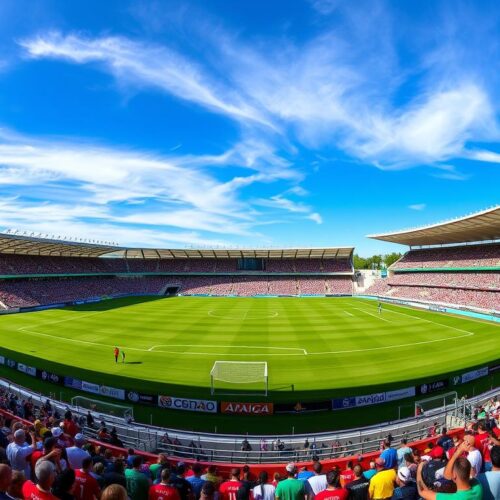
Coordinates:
<point>314,344</point>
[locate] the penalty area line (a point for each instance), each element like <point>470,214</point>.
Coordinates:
<point>374,315</point>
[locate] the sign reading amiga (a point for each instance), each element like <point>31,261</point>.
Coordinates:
<point>201,405</point>
<point>247,408</point>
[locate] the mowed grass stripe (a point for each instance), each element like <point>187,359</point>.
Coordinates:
<point>318,325</point>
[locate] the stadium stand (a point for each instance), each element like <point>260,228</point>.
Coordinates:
<point>460,272</point>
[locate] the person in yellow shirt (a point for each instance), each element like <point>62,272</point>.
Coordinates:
<point>40,429</point>
<point>382,483</point>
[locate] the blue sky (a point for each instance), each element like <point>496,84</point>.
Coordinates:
<point>248,123</point>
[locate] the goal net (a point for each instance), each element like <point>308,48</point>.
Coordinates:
<point>435,404</point>
<point>230,373</point>
<point>95,405</point>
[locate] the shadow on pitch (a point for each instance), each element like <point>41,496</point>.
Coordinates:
<point>132,363</point>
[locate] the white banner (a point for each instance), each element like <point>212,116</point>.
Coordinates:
<point>201,405</point>
<point>89,387</point>
<point>29,370</point>
<point>112,392</point>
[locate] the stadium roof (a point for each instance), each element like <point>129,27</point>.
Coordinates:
<point>272,253</point>
<point>28,245</point>
<point>481,226</point>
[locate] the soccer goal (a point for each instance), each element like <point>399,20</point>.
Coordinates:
<point>95,405</point>
<point>230,373</point>
<point>435,403</point>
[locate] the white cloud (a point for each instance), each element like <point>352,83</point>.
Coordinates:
<point>316,218</point>
<point>417,206</point>
<point>486,156</point>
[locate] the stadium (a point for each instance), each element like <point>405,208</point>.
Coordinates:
<point>217,340</point>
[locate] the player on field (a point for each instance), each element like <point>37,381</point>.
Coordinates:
<point>379,307</point>
<point>123,356</point>
<point>117,352</point>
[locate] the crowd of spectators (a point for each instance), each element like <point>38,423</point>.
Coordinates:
<point>51,459</point>
<point>456,256</point>
<point>487,281</point>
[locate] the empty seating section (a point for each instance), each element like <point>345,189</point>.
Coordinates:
<point>458,256</point>
<point>479,289</point>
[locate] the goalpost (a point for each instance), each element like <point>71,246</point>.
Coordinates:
<point>239,372</point>
<point>116,410</point>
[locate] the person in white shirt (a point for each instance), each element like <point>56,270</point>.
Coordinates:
<point>75,453</point>
<point>264,490</point>
<point>316,483</point>
<point>19,450</point>
<point>473,456</point>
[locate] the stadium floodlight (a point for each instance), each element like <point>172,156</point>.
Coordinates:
<point>239,373</point>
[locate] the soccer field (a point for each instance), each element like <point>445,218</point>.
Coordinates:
<point>312,344</point>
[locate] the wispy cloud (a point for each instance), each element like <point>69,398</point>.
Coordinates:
<point>417,206</point>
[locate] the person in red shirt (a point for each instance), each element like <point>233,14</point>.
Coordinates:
<point>347,476</point>
<point>45,473</point>
<point>437,452</point>
<point>333,491</point>
<point>86,485</point>
<point>229,489</point>
<point>163,491</point>
<point>70,426</point>
<point>117,352</point>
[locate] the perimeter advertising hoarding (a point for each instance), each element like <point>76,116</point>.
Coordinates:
<point>28,370</point>
<point>235,408</point>
<point>372,399</point>
<point>430,387</point>
<point>199,405</point>
<point>473,375</point>
<point>138,397</point>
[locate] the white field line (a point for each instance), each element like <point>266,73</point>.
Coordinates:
<point>212,312</point>
<point>349,313</point>
<point>303,351</point>
<point>374,315</point>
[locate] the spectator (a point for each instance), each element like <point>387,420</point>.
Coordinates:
<point>490,480</point>
<point>115,474</point>
<point>69,425</point>
<point>212,476</point>
<point>445,441</point>
<point>264,491</point>
<point>245,445</point>
<point>75,453</point>
<point>290,488</point>
<point>347,475</point>
<point>358,488</point>
<point>20,450</point>
<point>473,455</point>
<point>390,455</point>
<point>90,420</point>
<point>407,488</point>
<point>45,473</point>
<point>317,483</point>
<point>97,473</point>
<point>402,451</point>
<point>458,470</point>
<point>208,491</point>
<point>163,491</point>
<point>5,480</point>
<point>304,474</point>
<point>155,469</point>
<point>63,485</point>
<point>368,474</point>
<point>16,485</point>
<point>114,492</point>
<point>333,490</point>
<point>196,481</point>
<point>229,489</point>
<point>382,483</point>
<point>87,487</point>
<point>137,482</point>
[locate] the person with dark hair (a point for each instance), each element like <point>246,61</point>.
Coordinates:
<point>458,470</point>
<point>390,455</point>
<point>208,491</point>
<point>196,481</point>
<point>15,490</point>
<point>156,468</point>
<point>5,480</point>
<point>163,490</point>
<point>445,441</point>
<point>63,485</point>
<point>115,475</point>
<point>333,489</point>
<point>137,483</point>
<point>358,488</point>
<point>264,490</point>
<point>86,485</point>
<point>317,483</point>
<point>244,491</point>
<point>490,480</point>
<point>347,475</point>
<point>177,480</point>
<point>229,489</point>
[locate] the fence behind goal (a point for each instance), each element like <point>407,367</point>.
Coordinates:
<point>95,405</point>
<point>229,373</point>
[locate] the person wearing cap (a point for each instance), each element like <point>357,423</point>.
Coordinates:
<point>229,489</point>
<point>382,483</point>
<point>45,473</point>
<point>458,470</point>
<point>19,450</point>
<point>407,488</point>
<point>290,488</point>
<point>75,453</point>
